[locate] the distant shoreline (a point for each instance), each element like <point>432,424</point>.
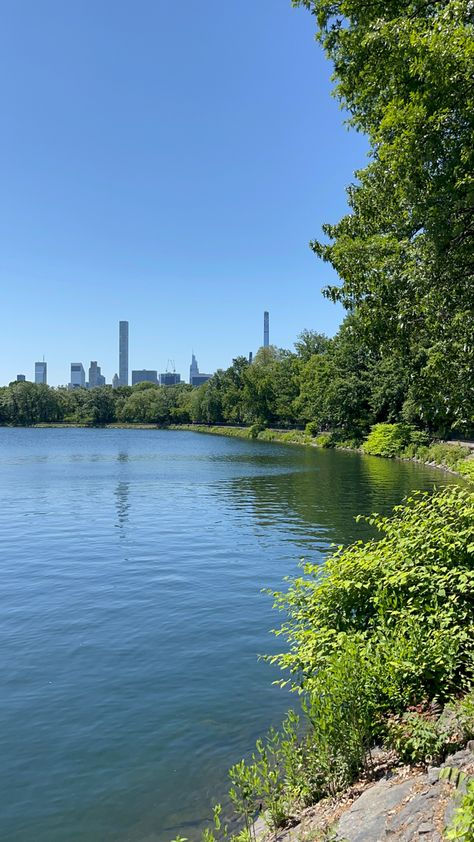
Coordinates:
<point>290,437</point>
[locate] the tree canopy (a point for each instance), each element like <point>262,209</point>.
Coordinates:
<point>404,73</point>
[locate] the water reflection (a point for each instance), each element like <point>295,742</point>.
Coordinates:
<point>316,505</point>
<point>122,492</point>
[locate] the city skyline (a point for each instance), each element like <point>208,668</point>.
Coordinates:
<point>77,370</point>
<point>182,203</point>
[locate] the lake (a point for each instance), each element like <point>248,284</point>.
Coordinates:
<point>132,615</point>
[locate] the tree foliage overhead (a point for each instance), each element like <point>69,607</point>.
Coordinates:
<point>404,72</point>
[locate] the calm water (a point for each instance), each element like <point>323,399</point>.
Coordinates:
<point>131,616</point>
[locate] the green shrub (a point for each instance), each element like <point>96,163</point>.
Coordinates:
<point>464,716</point>
<point>404,600</point>
<point>466,468</point>
<point>352,443</point>
<point>381,626</point>
<point>255,429</point>
<point>312,428</point>
<point>415,737</point>
<point>447,454</point>
<point>388,439</point>
<point>461,828</point>
<point>340,708</point>
<point>325,440</point>
<point>419,438</point>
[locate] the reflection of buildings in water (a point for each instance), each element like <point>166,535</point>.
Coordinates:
<point>122,491</point>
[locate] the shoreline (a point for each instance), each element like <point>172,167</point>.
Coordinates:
<point>283,437</point>
<point>249,433</point>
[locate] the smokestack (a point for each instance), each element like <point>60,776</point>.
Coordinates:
<point>266,329</point>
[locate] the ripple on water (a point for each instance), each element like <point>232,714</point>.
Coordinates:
<point>132,615</point>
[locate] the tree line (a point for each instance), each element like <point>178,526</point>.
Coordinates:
<point>340,384</point>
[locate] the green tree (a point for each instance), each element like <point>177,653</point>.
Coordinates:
<point>310,342</point>
<point>335,385</point>
<point>404,252</point>
<point>99,406</point>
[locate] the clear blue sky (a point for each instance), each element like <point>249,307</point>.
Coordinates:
<point>165,163</point>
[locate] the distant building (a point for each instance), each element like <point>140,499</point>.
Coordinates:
<point>193,369</point>
<point>266,329</point>
<point>196,378</point>
<point>144,376</point>
<point>20,378</point>
<point>199,379</point>
<point>78,376</point>
<point>250,357</point>
<point>96,378</point>
<point>115,381</point>
<point>123,353</point>
<point>170,378</point>
<point>41,372</point>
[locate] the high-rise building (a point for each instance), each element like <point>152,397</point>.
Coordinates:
<point>144,375</point>
<point>193,368</point>
<point>123,353</point>
<point>96,378</point>
<point>266,329</point>
<point>199,379</point>
<point>170,378</point>
<point>41,372</point>
<point>78,376</point>
<point>250,357</point>
<point>20,378</point>
<point>115,381</point>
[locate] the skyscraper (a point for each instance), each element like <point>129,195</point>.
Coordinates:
<point>41,372</point>
<point>78,376</point>
<point>96,378</point>
<point>123,353</point>
<point>193,368</point>
<point>266,329</point>
<point>170,378</point>
<point>144,375</point>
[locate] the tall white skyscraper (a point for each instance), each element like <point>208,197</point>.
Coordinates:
<point>41,372</point>
<point>123,353</point>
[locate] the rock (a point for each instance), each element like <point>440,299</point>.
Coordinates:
<point>366,819</point>
<point>433,774</point>
<point>407,810</point>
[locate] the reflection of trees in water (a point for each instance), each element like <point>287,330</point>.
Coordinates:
<point>317,502</point>
<point>121,492</point>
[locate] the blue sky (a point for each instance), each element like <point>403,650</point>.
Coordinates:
<point>165,163</point>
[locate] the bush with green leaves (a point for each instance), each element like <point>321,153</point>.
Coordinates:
<point>466,468</point>
<point>447,454</point>
<point>312,428</point>
<point>403,600</point>
<point>381,626</point>
<point>325,440</point>
<point>416,737</point>
<point>388,439</point>
<point>461,828</point>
